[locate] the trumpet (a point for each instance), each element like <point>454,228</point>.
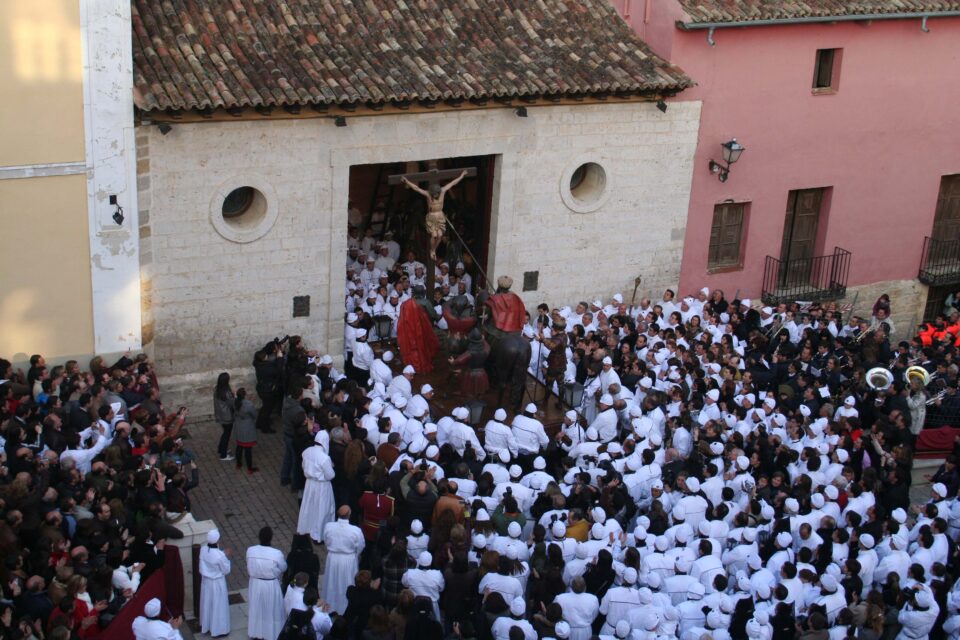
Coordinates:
<point>863,335</point>
<point>771,332</point>
<point>939,396</point>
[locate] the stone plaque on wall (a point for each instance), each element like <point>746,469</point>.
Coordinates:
<point>531,279</point>
<point>301,306</point>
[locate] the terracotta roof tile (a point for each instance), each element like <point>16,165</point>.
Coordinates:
<point>701,11</point>
<point>208,54</point>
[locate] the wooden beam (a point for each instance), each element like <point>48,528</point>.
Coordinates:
<point>432,175</point>
<point>326,111</point>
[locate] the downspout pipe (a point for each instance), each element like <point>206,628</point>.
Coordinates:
<point>863,17</point>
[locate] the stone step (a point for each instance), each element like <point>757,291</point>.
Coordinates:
<point>924,467</point>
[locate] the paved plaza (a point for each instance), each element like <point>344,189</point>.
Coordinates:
<point>239,503</point>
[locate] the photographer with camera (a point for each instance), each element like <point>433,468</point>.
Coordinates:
<point>918,613</point>
<point>268,365</point>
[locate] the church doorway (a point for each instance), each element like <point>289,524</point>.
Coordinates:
<point>383,210</point>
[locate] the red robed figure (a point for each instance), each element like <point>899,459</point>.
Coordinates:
<point>418,343</point>
<point>509,314</point>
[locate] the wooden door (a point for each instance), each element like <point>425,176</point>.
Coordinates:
<point>935,299</point>
<point>946,222</point>
<point>800,234</point>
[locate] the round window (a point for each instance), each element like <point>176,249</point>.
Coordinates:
<point>246,213</point>
<point>244,208</point>
<point>238,202</point>
<point>587,183</point>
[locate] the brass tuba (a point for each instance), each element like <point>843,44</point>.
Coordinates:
<point>879,379</point>
<point>920,374</point>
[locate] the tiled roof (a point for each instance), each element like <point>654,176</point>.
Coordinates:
<point>701,11</point>
<point>209,54</point>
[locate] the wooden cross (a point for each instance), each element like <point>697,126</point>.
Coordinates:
<point>432,176</point>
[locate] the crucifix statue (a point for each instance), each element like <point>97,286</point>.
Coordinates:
<point>436,222</point>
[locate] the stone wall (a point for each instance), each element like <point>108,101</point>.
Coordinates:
<point>907,301</point>
<point>214,294</point>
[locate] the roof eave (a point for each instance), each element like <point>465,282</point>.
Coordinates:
<point>863,17</point>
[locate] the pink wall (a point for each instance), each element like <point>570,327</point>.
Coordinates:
<point>653,21</point>
<point>882,141</point>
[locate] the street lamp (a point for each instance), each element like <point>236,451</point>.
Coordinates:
<point>731,153</point>
<point>476,407</point>
<point>384,325</point>
<point>573,394</point>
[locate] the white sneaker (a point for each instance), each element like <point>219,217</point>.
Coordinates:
<point>227,458</point>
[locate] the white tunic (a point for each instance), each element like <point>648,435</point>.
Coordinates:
<point>499,436</point>
<point>380,372</point>
<point>147,629</point>
<point>265,565</point>
<point>529,434</point>
<point>344,543</point>
<point>293,599</point>
<point>426,582</point>
<point>579,611</point>
<point>400,385</point>
<point>214,603</point>
<point>616,605</point>
<point>606,425</point>
<point>317,508</point>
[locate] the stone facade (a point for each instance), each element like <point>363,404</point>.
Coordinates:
<point>907,301</point>
<point>212,297</point>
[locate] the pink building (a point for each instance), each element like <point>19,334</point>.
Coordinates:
<point>851,124</point>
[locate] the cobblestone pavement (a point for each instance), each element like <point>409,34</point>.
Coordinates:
<point>240,504</point>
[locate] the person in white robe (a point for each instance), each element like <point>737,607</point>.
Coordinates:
<point>497,435</point>
<point>344,543</point>
<point>580,609</point>
<point>618,601</point>
<point>265,566</point>
<point>317,507</point>
<point>402,384</point>
<point>529,432</point>
<point>214,600</point>
<point>293,598</point>
<point>380,370</point>
<point>150,627</point>
<point>500,630</point>
<point>427,582</point>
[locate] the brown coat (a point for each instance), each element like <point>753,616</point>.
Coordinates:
<point>448,503</point>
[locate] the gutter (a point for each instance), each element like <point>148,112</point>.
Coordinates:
<point>923,16</point>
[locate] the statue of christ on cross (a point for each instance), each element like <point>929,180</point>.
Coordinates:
<point>436,222</point>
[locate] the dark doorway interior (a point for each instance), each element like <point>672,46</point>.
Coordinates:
<point>382,207</point>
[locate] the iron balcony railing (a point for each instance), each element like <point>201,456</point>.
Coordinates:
<point>940,262</point>
<point>808,279</point>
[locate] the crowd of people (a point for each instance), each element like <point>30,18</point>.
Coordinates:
<point>94,474</point>
<point>732,471</point>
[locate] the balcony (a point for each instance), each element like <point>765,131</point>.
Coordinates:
<point>807,279</point>
<point>940,262</point>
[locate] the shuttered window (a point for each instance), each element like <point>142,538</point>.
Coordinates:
<point>726,235</point>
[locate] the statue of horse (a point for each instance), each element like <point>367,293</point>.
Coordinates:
<point>509,354</point>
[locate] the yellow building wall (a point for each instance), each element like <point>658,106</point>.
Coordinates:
<point>41,72</point>
<point>45,291</point>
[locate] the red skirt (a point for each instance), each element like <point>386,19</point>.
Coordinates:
<point>474,382</point>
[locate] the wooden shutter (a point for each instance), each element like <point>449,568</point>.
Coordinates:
<point>946,223</point>
<point>725,235</point>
